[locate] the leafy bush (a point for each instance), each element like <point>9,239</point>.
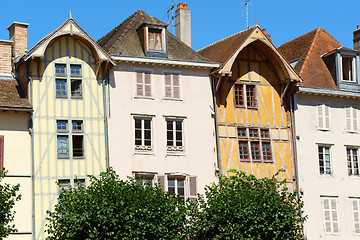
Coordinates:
<point>110,208</point>
<point>8,197</point>
<point>243,207</point>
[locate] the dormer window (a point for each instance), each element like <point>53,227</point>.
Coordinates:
<point>348,68</point>
<point>155,40</point>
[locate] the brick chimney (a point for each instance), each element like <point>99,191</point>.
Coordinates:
<point>357,38</point>
<point>266,34</point>
<point>5,57</point>
<point>18,34</point>
<point>183,23</point>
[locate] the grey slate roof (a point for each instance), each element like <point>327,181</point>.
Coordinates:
<point>124,40</point>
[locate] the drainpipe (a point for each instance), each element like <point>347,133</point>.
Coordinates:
<point>292,108</point>
<point>216,125</point>
<point>105,83</point>
<point>31,131</point>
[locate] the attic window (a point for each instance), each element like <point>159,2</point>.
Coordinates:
<point>348,69</point>
<point>155,41</point>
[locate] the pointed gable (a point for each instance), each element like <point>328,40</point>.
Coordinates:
<point>125,40</point>
<point>306,51</point>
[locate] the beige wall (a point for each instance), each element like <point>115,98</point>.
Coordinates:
<point>17,160</point>
<point>338,184</point>
<point>199,158</point>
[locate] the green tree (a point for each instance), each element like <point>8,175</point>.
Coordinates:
<point>8,197</point>
<point>244,207</point>
<point>110,208</point>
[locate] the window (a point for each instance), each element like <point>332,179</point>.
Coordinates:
<point>348,69</point>
<point>324,160</point>
<point>176,187</point>
<point>172,85</point>
<point>245,95</point>
<point>323,116</point>
<point>74,76</point>
<point>155,41</point>
<point>351,123</point>
<point>65,184</point>
<point>143,134</point>
<point>356,214</point>
<point>1,152</point>
<point>254,144</point>
<point>77,139</point>
<point>143,84</point>
<point>352,161</point>
<point>145,179</point>
<point>174,135</point>
<point>331,220</point>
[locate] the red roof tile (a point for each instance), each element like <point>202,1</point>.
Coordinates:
<point>10,97</point>
<point>307,49</point>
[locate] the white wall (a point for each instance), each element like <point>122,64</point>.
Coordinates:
<point>312,184</point>
<point>199,158</point>
<point>17,160</point>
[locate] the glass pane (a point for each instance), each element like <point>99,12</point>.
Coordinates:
<point>169,125</point>
<point>178,125</point>
<point>137,123</point>
<point>60,69</point>
<point>180,183</point>
<point>147,124</point>
<point>171,182</point>
<point>171,190</point>
<point>75,69</point>
<point>76,88</point>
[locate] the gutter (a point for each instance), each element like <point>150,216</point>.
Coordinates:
<point>31,131</point>
<point>216,125</point>
<point>16,109</point>
<point>327,92</point>
<point>165,61</point>
<point>105,83</point>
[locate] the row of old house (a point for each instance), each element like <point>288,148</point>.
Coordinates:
<point>141,101</point>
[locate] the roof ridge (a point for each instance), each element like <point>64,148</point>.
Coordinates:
<point>235,34</point>
<point>310,50</point>
<point>299,37</point>
<point>329,35</point>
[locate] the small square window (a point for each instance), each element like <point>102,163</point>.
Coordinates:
<point>253,133</point>
<point>62,125</point>
<point>264,133</point>
<point>77,126</point>
<point>75,70</point>
<point>64,185</point>
<point>60,69</point>
<point>76,89</point>
<point>78,182</point>
<point>242,132</point>
<point>78,145</point>
<point>155,41</point>
<point>61,88</point>
<point>255,151</point>
<point>145,179</point>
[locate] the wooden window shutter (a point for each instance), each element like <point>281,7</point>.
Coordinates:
<point>1,152</point>
<point>320,116</point>
<point>176,86</point>
<point>327,117</point>
<point>147,84</point>
<point>168,86</point>
<point>193,188</point>
<point>355,124</point>
<point>348,118</point>
<point>161,179</point>
<point>139,84</point>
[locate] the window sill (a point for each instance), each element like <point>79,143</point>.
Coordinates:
<point>77,98</point>
<point>79,158</point>
<point>63,157</point>
<point>143,153</point>
<point>173,99</point>
<point>323,129</point>
<point>351,132</point>
<point>61,97</point>
<point>327,175</point>
<point>173,154</point>
<point>147,98</point>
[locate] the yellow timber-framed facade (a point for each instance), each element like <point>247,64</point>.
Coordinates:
<point>64,76</point>
<point>253,88</point>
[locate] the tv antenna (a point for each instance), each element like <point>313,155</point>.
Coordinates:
<point>246,3</point>
<point>171,17</point>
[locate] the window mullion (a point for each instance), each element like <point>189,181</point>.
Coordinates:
<point>142,132</point>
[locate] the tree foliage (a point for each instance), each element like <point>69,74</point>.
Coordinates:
<point>8,197</point>
<point>244,207</point>
<point>110,208</point>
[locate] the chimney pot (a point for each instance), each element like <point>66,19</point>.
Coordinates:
<point>185,6</point>
<point>266,34</point>
<point>358,26</point>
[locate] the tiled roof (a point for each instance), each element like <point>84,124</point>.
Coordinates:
<point>124,40</point>
<point>307,50</point>
<point>10,97</point>
<point>222,50</point>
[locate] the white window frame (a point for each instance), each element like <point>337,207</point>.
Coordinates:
<point>333,212</point>
<point>68,77</point>
<point>143,148</point>
<point>353,119</point>
<point>175,149</point>
<point>324,146</point>
<point>164,73</point>
<point>143,176</point>
<point>323,116</point>
<point>73,182</point>
<point>353,66</point>
<point>70,133</point>
<point>163,40</point>
<point>140,70</point>
<point>355,214</point>
<point>176,178</point>
<point>351,149</point>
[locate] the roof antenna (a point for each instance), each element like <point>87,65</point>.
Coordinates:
<point>246,3</point>
<point>171,17</point>
<point>70,14</point>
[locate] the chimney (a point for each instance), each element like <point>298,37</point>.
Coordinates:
<point>183,23</point>
<point>18,35</point>
<point>266,34</point>
<point>357,38</point>
<point>5,57</point>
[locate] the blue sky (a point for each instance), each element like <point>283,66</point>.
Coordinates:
<point>211,20</point>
